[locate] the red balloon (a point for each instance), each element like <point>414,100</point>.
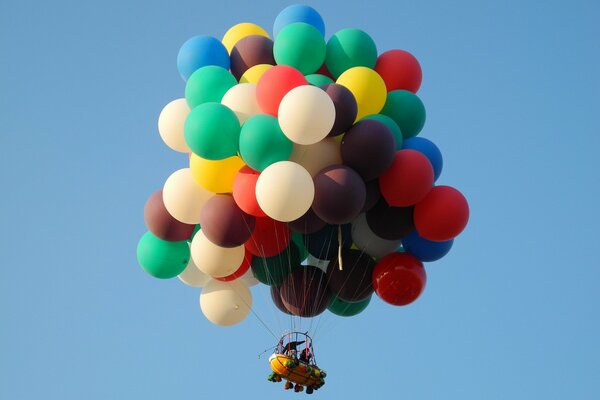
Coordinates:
<point>244,267</point>
<point>408,180</point>
<point>161,223</point>
<point>399,278</point>
<point>399,70</point>
<point>269,238</point>
<point>244,191</point>
<point>324,71</point>
<point>442,214</point>
<point>276,83</point>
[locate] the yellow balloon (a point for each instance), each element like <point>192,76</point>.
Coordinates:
<point>253,74</point>
<point>367,87</point>
<point>240,31</point>
<point>215,175</point>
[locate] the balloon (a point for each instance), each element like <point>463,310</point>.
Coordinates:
<point>253,74</point>
<point>298,13</point>
<point>244,191</point>
<point>269,238</point>
<point>350,48</point>
<point>241,271</point>
<point>224,223</point>
<point>308,223</point>
<point>346,309</point>
<point>208,84</point>
<point>248,278</point>
<point>408,180</point>
<point>315,157</point>
<point>340,194</point>
<point>368,89</point>
<point>250,51</point>
<point>324,243</point>
<point>212,131</point>
<point>192,276</point>
<point>390,223</point>
<point>301,46</point>
<point>285,191</point>
<point>161,223</point>
<point>273,270</point>
<point>425,250</point>
<point>183,197</point>
<point>369,148</point>
<point>240,31</point>
<point>391,124</point>
<point>214,260</point>
<point>304,292</point>
<point>318,79</point>
<point>353,282</point>
<point>442,215</point>
<point>345,107</point>
<point>262,142</point>
<point>160,258</point>
<point>367,241</point>
<point>276,297</point>
<point>400,70</point>
<point>306,114</point>
<point>275,83</point>
<point>198,52</point>
<point>241,99</point>
<point>430,150</point>
<point>407,110</point>
<point>373,194</point>
<point>297,240</point>
<point>215,175</point>
<point>225,303</point>
<point>399,279</point>
<point>170,125</point>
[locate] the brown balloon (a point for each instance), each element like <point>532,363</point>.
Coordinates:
<point>224,223</point>
<point>340,194</point>
<point>250,51</point>
<point>345,107</point>
<point>308,223</point>
<point>304,292</point>
<point>390,223</point>
<point>373,194</point>
<point>276,297</point>
<point>162,224</point>
<point>353,283</point>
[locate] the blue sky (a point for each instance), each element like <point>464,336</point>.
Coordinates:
<point>512,96</point>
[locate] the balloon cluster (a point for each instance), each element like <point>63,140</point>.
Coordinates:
<point>305,173</point>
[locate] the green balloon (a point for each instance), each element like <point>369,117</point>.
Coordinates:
<point>262,142</point>
<point>272,270</point>
<point>301,46</point>
<point>212,131</point>
<point>298,241</point>
<point>318,79</point>
<point>390,123</point>
<point>160,258</point>
<point>345,309</point>
<point>350,48</point>
<point>207,84</point>
<point>407,110</point>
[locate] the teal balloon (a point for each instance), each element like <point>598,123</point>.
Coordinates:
<point>273,270</point>
<point>160,258</point>
<point>208,84</point>
<point>407,110</point>
<point>212,131</point>
<point>301,46</point>
<point>390,123</point>
<point>318,79</point>
<point>262,142</point>
<point>298,241</point>
<point>345,309</point>
<point>350,48</point>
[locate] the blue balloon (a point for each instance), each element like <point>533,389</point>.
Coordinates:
<point>323,244</point>
<point>426,250</point>
<point>200,51</point>
<point>429,149</point>
<point>298,13</point>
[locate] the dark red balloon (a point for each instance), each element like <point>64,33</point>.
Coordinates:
<point>369,148</point>
<point>399,70</point>
<point>324,71</point>
<point>304,292</point>
<point>345,107</point>
<point>340,194</point>
<point>269,238</point>
<point>399,278</point>
<point>353,283</point>
<point>244,267</point>
<point>275,83</point>
<point>408,180</point>
<point>224,223</point>
<point>161,223</point>
<point>244,191</point>
<point>308,223</point>
<point>250,51</point>
<point>390,223</point>
<point>442,215</point>
<point>276,297</point>
<point>373,194</point>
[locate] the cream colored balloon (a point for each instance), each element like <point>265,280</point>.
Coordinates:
<point>214,260</point>
<point>170,125</point>
<point>183,197</point>
<point>306,114</point>
<point>285,191</point>
<point>367,241</point>
<point>241,99</point>
<point>315,157</point>
<point>192,276</point>
<point>249,279</point>
<point>225,303</point>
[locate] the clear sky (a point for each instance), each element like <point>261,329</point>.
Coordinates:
<point>512,96</point>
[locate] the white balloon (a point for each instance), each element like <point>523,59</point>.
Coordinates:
<point>241,99</point>
<point>192,276</point>
<point>315,157</point>
<point>306,114</point>
<point>367,241</point>
<point>225,303</point>
<point>214,260</point>
<point>170,125</point>
<point>249,279</point>
<point>183,197</point>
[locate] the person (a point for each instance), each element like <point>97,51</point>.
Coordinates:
<point>305,355</point>
<point>291,349</point>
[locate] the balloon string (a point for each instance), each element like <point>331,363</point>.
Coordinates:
<point>340,246</point>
